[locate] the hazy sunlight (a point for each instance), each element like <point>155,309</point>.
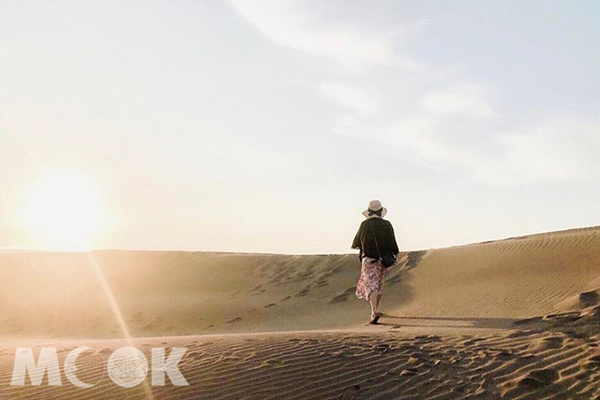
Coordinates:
<point>64,210</point>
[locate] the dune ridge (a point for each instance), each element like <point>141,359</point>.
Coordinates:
<point>179,293</point>
<point>517,318</point>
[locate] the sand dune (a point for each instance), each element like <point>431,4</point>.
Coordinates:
<point>512,278</point>
<point>350,365</point>
<point>516,318</point>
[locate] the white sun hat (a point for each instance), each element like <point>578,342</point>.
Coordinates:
<point>374,206</point>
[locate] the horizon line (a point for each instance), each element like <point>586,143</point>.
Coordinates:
<point>8,250</point>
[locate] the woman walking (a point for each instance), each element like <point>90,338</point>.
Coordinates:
<point>376,241</point>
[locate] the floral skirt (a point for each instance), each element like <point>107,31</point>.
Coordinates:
<point>372,273</point>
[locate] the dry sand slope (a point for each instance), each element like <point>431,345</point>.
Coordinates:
<point>516,318</point>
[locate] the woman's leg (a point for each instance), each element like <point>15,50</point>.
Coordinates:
<point>379,292</point>
<point>373,301</point>
<point>378,300</point>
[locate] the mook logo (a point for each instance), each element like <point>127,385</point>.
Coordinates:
<point>126,366</point>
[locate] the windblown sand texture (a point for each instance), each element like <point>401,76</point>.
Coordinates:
<point>511,319</point>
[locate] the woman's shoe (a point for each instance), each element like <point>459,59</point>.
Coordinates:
<point>375,318</point>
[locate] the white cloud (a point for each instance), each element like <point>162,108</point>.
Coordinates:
<point>293,24</point>
<point>468,99</point>
<point>428,140</point>
<point>558,149</point>
<point>351,96</point>
<point>360,110</point>
<point>444,128</point>
<point>555,150</point>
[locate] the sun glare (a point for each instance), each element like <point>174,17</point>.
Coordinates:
<point>64,211</point>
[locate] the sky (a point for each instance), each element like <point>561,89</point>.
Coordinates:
<point>267,126</point>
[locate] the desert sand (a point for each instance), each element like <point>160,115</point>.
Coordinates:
<point>511,319</point>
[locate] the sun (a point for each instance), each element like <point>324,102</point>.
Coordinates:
<point>64,211</point>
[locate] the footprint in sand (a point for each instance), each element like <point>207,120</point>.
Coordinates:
<point>519,334</point>
<point>427,338</point>
<point>409,372</point>
<point>576,335</point>
<point>383,347</point>
<point>323,282</point>
<point>471,342</point>
<point>561,318</point>
<point>351,392</point>
<point>539,378</point>
<point>342,296</point>
<point>303,292</point>
<point>589,298</point>
<point>553,342</point>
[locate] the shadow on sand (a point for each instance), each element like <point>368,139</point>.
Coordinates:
<point>449,322</point>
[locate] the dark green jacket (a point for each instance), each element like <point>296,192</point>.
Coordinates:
<point>375,237</point>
